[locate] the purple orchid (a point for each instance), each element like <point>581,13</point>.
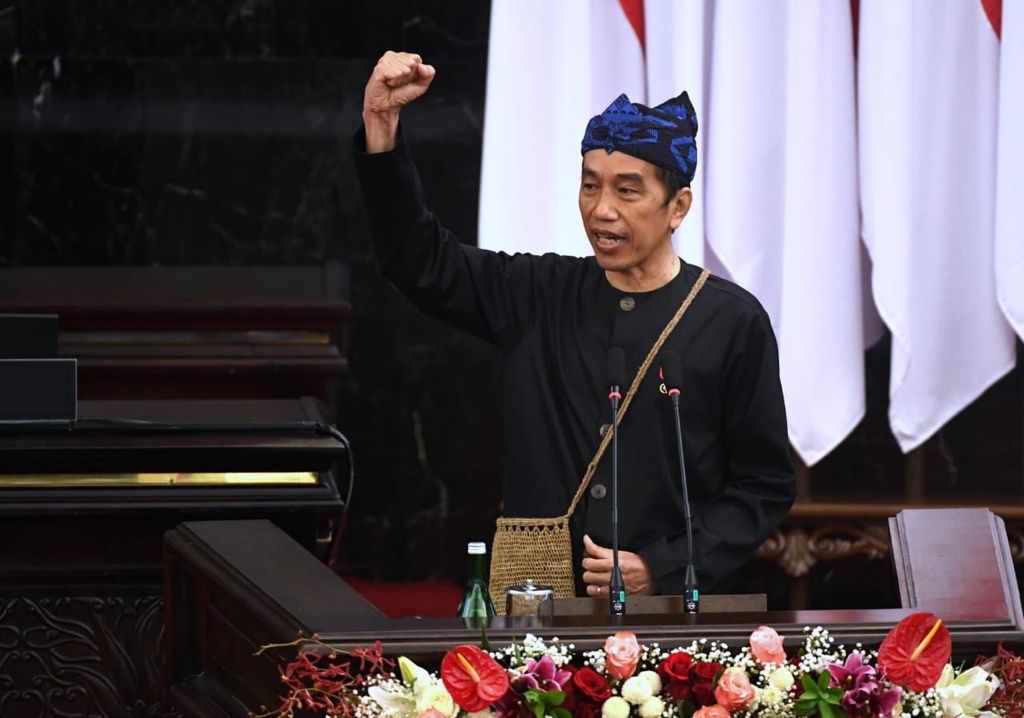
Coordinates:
<point>864,693</point>
<point>542,675</point>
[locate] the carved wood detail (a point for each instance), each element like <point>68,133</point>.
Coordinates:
<point>798,548</point>
<point>82,656</point>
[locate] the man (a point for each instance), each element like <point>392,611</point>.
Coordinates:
<point>554,319</point>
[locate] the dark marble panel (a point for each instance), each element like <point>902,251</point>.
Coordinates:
<point>8,58</point>
<point>7,29</point>
<point>252,28</point>
<point>213,162</point>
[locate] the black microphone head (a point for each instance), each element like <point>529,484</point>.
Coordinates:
<point>672,369</point>
<point>616,367</point>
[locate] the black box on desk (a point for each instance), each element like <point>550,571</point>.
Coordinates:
<point>38,391</point>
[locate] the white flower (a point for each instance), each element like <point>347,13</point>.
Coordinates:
<point>771,695</point>
<point>411,673</point>
<point>967,693</point>
<point>781,678</point>
<point>651,708</point>
<point>653,679</point>
<point>615,707</point>
<point>397,703</point>
<point>434,695</point>
<point>636,690</point>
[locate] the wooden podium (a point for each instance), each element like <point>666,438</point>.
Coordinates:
<point>233,586</point>
<point>83,515</point>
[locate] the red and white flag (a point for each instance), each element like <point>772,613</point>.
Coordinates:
<point>928,96</point>
<point>781,210</point>
<point>1010,169</point>
<point>551,67</point>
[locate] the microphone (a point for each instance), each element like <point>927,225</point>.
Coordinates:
<point>616,378</point>
<point>673,374</point>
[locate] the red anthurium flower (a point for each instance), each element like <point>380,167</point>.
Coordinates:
<point>915,651</point>
<point>473,678</point>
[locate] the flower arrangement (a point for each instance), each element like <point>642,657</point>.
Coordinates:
<point>909,676</point>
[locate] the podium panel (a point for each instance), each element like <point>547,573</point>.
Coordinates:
<point>224,602</point>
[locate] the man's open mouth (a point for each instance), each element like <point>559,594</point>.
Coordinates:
<point>607,240</point>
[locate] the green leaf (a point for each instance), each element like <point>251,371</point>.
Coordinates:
<point>805,709</point>
<point>538,709</point>
<point>532,696</point>
<point>560,713</point>
<point>810,687</point>
<point>826,710</point>
<point>823,680</point>
<point>554,698</point>
<point>833,696</point>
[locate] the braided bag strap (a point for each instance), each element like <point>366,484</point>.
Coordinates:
<point>640,374</point>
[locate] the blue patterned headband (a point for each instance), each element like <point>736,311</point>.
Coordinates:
<point>664,135</point>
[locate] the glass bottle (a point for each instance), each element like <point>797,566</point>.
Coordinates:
<point>476,601</point>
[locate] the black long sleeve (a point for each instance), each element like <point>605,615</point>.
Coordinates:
<point>554,318</point>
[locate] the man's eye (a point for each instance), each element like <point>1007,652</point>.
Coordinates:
<point>589,186</point>
<point>627,190</point>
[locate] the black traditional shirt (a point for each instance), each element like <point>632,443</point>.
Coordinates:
<point>554,318</point>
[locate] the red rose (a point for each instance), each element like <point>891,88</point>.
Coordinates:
<point>705,671</point>
<point>677,691</point>
<point>676,668</point>
<point>569,689</point>
<point>587,710</point>
<point>703,694</point>
<point>592,684</point>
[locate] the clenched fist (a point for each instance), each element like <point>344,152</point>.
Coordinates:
<point>398,79</point>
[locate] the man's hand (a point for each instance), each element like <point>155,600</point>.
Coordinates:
<point>597,570</point>
<point>398,79</point>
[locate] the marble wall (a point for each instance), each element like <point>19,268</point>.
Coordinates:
<point>188,132</point>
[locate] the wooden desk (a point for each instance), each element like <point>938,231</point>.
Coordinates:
<point>82,516</point>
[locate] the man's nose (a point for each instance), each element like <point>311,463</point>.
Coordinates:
<point>606,208</point>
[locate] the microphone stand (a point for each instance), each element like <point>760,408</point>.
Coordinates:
<point>691,592</point>
<point>617,586</point>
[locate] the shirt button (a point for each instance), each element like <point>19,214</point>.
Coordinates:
<point>626,304</point>
<point>605,428</point>
<point>598,491</point>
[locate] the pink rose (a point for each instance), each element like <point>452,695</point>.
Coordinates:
<point>766,645</point>
<point>622,653</point>
<point>715,711</point>
<point>734,691</point>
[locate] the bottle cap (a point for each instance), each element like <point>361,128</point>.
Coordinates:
<point>477,547</point>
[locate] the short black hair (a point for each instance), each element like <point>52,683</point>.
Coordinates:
<point>672,180</point>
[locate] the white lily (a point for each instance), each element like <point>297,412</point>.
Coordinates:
<point>393,705</point>
<point>966,694</point>
<point>412,674</point>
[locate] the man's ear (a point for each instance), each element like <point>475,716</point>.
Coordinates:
<point>679,207</point>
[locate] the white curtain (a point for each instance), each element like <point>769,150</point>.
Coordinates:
<point>809,162</point>
<point>928,97</point>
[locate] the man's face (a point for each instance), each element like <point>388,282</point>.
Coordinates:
<point>625,214</point>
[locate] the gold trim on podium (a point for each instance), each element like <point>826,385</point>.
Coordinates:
<point>220,478</point>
